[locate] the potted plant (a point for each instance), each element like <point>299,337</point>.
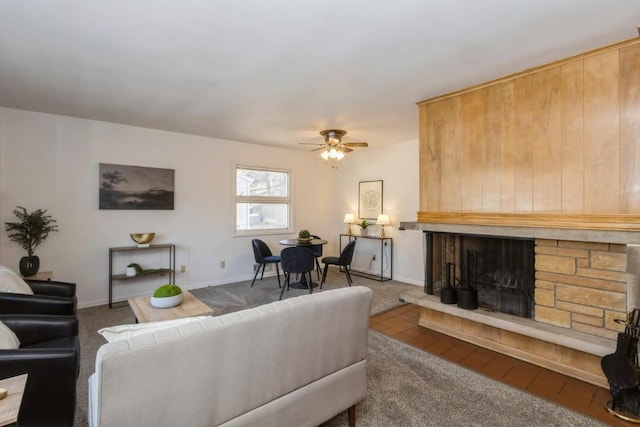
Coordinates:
<point>167,296</point>
<point>363,227</point>
<point>304,236</point>
<point>31,230</point>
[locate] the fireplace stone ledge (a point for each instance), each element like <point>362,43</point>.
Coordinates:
<point>559,349</point>
<point>553,334</point>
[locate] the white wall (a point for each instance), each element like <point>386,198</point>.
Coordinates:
<point>51,162</point>
<point>397,165</point>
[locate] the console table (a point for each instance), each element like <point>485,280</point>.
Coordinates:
<point>384,256</point>
<point>170,248</point>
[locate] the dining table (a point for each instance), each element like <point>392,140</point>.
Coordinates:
<point>302,284</point>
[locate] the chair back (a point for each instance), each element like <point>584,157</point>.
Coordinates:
<point>347,254</point>
<point>316,249</point>
<point>260,250</point>
<point>297,259</point>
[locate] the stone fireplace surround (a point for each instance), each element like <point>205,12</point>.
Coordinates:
<point>553,341</point>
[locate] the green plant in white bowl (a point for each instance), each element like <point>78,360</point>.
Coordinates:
<point>167,296</point>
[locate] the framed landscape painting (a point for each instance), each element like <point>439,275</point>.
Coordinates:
<point>135,187</point>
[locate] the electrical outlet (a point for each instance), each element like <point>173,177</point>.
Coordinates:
<point>183,268</point>
<point>223,264</point>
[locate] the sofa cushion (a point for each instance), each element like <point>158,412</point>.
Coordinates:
<point>11,282</point>
<point>8,340</point>
<point>121,332</point>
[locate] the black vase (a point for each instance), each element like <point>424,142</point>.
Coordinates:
<point>29,265</point>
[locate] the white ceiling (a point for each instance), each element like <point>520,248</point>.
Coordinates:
<point>276,72</point>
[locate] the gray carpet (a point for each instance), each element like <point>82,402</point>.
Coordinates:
<point>406,386</point>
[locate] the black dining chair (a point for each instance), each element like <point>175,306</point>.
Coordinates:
<point>317,253</point>
<point>263,256</point>
<point>299,260</point>
<point>344,261</point>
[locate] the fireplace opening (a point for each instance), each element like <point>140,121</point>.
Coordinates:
<point>500,269</point>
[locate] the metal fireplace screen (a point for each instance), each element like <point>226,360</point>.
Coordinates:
<point>502,270</point>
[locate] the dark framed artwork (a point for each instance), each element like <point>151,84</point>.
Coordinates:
<point>369,199</point>
<point>135,187</point>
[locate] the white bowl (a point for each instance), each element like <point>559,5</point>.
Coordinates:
<point>167,302</point>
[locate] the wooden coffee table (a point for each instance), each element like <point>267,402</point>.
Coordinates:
<point>190,307</point>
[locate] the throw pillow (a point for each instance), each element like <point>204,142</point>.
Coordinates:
<point>11,282</point>
<point>121,332</point>
<point>8,340</point>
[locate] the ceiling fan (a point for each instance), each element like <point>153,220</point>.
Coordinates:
<point>333,147</point>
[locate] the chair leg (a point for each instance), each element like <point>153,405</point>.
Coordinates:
<point>310,283</point>
<point>254,276</point>
<point>324,275</point>
<point>346,273</point>
<point>286,284</point>
<point>278,273</point>
<point>262,275</point>
<point>318,269</point>
<point>351,416</point>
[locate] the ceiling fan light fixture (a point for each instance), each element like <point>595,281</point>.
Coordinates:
<point>333,147</point>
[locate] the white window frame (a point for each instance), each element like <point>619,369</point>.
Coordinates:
<point>262,199</point>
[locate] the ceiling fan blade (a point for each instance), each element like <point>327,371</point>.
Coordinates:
<point>344,149</point>
<point>317,149</point>
<point>311,143</point>
<point>355,144</point>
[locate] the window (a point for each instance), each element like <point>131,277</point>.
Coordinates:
<point>263,201</point>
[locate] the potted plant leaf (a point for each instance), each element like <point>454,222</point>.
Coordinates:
<point>364,224</point>
<point>304,236</point>
<point>31,229</point>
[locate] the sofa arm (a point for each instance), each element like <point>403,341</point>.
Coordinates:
<point>50,393</point>
<point>36,304</point>
<point>52,287</point>
<point>35,328</point>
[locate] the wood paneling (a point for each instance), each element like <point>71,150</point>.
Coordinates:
<point>523,143</point>
<point>472,151</point>
<point>601,133</point>
<point>561,138</point>
<point>547,175</point>
<point>630,129</point>
<point>450,159</point>
<point>572,137</point>
<point>492,149</point>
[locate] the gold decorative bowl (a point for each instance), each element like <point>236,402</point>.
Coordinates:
<point>142,238</point>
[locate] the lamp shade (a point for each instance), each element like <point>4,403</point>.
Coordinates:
<point>383,219</point>
<point>349,218</point>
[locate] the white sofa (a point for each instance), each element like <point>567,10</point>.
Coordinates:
<point>296,362</point>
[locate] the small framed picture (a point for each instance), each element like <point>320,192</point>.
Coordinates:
<point>369,199</point>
